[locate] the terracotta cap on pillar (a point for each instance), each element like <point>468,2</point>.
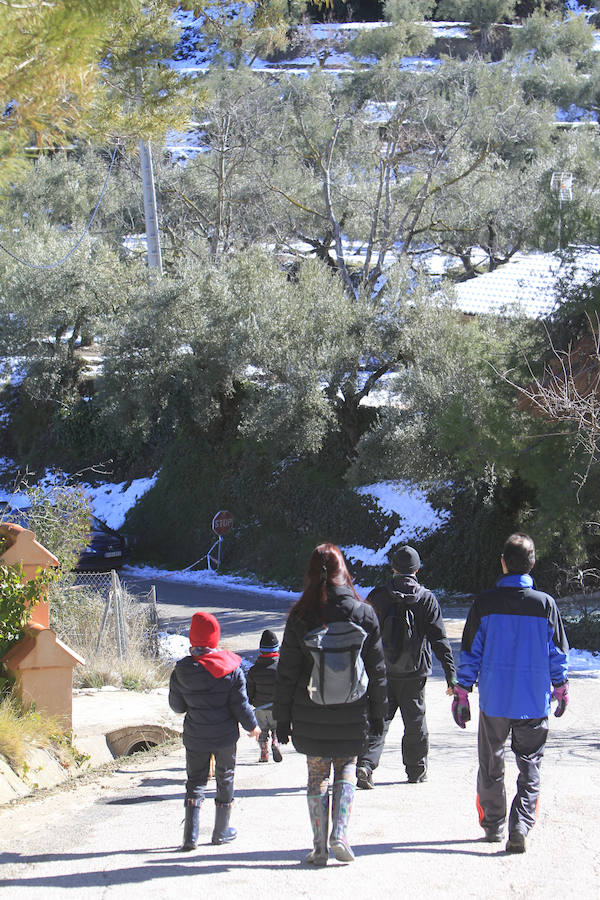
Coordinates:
<point>41,649</point>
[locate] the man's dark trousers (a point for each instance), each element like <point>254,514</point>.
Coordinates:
<point>407,695</point>
<point>528,740</point>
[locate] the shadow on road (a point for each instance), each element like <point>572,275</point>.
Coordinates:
<point>212,863</point>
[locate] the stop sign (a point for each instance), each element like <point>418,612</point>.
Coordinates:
<point>222,522</point>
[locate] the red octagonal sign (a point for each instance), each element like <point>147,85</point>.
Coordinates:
<point>222,522</point>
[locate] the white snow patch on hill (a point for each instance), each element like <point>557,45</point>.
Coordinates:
<point>111,502</point>
<point>419,518</point>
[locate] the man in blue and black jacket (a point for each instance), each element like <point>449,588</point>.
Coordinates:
<point>514,644</point>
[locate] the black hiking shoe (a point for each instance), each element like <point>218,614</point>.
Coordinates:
<point>494,834</point>
<point>515,842</point>
<point>364,779</point>
<point>417,777</point>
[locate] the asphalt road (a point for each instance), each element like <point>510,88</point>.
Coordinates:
<point>116,834</point>
<point>243,615</point>
<point>240,613</point>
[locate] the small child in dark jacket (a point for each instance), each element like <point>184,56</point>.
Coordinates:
<point>210,688</point>
<point>261,689</point>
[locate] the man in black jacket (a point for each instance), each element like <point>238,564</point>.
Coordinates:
<point>411,626</point>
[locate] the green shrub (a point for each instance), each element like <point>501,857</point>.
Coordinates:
<point>464,555</point>
<point>59,516</point>
<point>281,509</point>
<point>18,597</point>
<point>583,631</point>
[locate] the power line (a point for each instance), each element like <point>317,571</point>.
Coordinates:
<point>59,262</point>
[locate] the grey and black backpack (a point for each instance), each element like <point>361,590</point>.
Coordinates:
<point>338,672</point>
<point>400,637</point>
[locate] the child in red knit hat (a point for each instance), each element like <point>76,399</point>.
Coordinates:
<point>210,688</point>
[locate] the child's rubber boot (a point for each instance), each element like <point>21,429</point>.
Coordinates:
<point>222,833</point>
<point>190,827</point>
<point>264,751</point>
<point>275,749</point>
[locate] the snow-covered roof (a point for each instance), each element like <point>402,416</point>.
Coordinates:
<point>526,285</point>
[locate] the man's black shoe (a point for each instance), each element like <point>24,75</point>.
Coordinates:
<point>516,842</point>
<point>417,777</point>
<point>494,835</point>
<point>364,779</point>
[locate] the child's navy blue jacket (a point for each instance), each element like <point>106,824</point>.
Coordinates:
<point>213,707</point>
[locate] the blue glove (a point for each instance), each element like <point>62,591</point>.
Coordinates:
<point>561,694</point>
<point>461,710</point>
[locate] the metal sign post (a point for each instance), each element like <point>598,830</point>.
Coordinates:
<point>562,185</point>
<point>222,523</point>
<point>149,194</point>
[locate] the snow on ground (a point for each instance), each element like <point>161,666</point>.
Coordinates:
<point>111,502</point>
<point>583,660</point>
<point>419,518</point>
<point>328,42</point>
<point>173,647</point>
<point>208,578</point>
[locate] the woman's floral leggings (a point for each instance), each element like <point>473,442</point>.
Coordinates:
<point>319,772</point>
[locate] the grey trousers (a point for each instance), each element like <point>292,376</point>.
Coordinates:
<point>266,722</point>
<point>528,740</point>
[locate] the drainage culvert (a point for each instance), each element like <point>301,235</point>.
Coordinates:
<point>134,738</point>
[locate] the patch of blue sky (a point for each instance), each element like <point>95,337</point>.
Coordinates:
<point>579,10</point>
<point>13,370</point>
<point>575,113</point>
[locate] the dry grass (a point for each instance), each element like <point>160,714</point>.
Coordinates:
<point>22,728</point>
<point>77,615</point>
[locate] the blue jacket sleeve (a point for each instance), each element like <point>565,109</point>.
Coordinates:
<point>558,647</point>
<point>238,702</point>
<point>176,698</point>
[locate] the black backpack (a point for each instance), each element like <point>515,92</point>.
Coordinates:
<point>338,672</point>
<point>399,635</point>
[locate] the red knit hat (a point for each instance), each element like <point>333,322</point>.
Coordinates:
<point>205,631</point>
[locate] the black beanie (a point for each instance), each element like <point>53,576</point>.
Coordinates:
<point>268,642</point>
<point>405,559</point>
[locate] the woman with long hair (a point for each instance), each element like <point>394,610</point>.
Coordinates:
<point>330,692</point>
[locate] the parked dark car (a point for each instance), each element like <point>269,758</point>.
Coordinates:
<point>106,548</point>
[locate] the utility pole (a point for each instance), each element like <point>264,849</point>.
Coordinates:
<point>150,209</point>
<point>561,184</point>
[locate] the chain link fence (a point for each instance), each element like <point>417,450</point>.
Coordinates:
<point>113,629</point>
